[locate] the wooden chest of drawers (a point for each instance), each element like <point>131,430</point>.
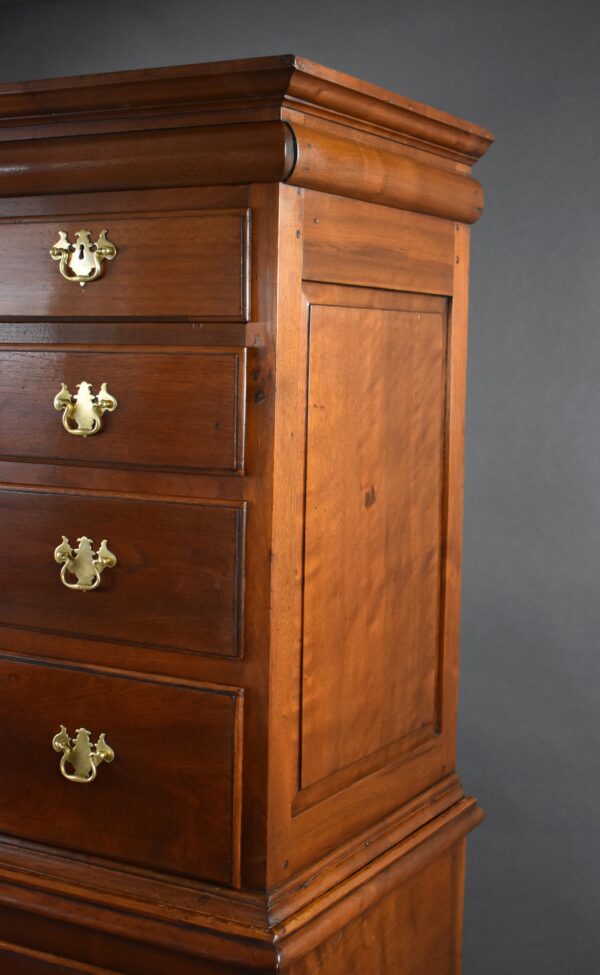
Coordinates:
<point>233,309</point>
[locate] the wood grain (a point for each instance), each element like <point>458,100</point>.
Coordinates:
<point>174,410</point>
<point>136,959</point>
<point>373,532</point>
<point>166,200</point>
<point>148,159</point>
<point>147,915</point>
<point>17,960</point>
<point>178,582</point>
<point>189,266</point>
<point>163,334</point>
<point>167,799</point>
<point>330,813</point>
<point>352,242</point>
<point>169,93</point>
<point>335,163</point>
<point>410,932</point>
<point>338,844</point>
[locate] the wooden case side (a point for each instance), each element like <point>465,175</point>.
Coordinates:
<point>332,818</point>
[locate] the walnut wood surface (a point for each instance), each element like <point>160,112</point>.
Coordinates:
<point>352,242</point>
<point>388,938</point>
<point>287,79</point>
<point>134,129</point>
<point>16,960</point>
<point>147,918</point>
<point>192,266</point>
<point>129,160</point>
<point>317,157</point>
<point>289,239</point>
<point>353,799</point>
<point>165,801</point>
<point>337,164</point>
<point>174,410</point>
<point>373,532</point>
<point>177,583</point>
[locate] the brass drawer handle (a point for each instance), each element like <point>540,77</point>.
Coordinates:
<point>86,565</point>
<point>82,411</point>
<point>83,757</point>
<point>82,261</point>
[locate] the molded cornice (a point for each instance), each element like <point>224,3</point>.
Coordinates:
<point>285,79</point>
<point>259,120</point>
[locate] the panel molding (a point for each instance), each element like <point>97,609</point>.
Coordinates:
<point>416,742</point>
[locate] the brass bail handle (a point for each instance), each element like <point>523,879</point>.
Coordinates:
<point>80,755</point>
<point>82,261</point>
<point>82,411</point>
<point>83,563</point>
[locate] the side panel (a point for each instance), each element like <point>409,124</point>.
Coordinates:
<point>373,419</point>
<point>373,533</point>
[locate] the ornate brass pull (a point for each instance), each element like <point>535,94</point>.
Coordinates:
<point>82,261</point>
<point>83,757</point>
<point>82,412</point>
<point>86,565</point>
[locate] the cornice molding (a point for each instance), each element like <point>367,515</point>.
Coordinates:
<point>265,120</point>
<point>284,81</point>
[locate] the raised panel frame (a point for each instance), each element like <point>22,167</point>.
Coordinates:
<point>425,736</point>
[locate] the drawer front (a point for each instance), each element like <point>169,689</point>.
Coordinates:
<point>177,584</point>
<point>192,266</point>
<point>174,410</point>
<point>169,799</point>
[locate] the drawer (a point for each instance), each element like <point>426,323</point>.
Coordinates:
<point>177,584</point>
<point>174,410</point>
<point>170,798</point>
<point>190,266</point>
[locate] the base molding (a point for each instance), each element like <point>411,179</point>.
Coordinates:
<point>95,925</point>
<point>319,921</point>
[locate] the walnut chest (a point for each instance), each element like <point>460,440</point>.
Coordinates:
<point>233,314</point>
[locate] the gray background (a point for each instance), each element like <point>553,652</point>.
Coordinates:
<point>530,683</point>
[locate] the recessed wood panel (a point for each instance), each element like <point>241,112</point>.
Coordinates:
<point>177,584</point>
<point>373,535</point>
<point>184,266</point>
<point>173,410</point>
<point>169,799</point>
